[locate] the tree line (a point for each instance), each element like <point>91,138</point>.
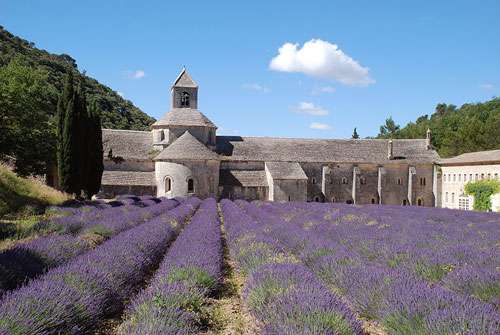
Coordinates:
<point>472,127</point>
<point>79,142</point>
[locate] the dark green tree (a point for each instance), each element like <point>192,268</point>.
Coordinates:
<point>389,129</point>
<point>355,134</point>
<point>27,131</point>
<point>95,165</point>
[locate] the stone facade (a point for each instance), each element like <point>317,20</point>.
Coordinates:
<point>458,171</point>
<point>182,155</point>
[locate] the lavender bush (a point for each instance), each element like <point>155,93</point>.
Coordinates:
<point>398,265</point>
<point>285,296</point>
<point>29,259</point>
<point>173,302</point>
<point>73,298</point>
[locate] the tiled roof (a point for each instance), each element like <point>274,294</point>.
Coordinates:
<point>184,117</point>
<point>135,178</point>
<point>129,144</point>
<point>490,156</point>
<point>269,149</point>
<point>246,178</point>
<point>184,80</point>
<point>186,147</point>
<point>285,170</point>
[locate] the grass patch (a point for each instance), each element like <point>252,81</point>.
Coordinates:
<point>25,194</point>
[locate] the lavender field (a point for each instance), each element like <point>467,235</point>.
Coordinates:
<point>190,266</point>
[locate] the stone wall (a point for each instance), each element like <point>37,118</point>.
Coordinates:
<point>205,175</point>
<point>111,191</point>
<point>243,192</point>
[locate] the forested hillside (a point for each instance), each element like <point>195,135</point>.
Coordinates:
<point>472,127</point>
<point>117,112</point>
<point>30,83</point>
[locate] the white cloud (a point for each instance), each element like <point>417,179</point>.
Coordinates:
<point>487,86</point>
<point>323,89</point>
<point>120,94</point>
<point>310,109</point>
<point>137,74</point>
<point>320,126</point>
<point>256,87</point>
<point>321,59</point>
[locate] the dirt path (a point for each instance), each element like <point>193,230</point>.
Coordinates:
<point>228,313</point>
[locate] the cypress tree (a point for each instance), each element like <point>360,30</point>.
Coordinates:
<point>355,134</point>
<point>94,152</point>
<point>62,103</point>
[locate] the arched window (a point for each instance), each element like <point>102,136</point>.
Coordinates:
<point>168,184</point>
<point>362,180</point>
<point>344,180</point>
<point>184,99</point>
<point>420,202</point>
<point>399,181</point>
<point>316,199</point>
<point>314,180</point>
<point>422,181</point>
<point>289,198</point>
<point>190,185</point>
<point>333,199</point>
<point>374,201</point>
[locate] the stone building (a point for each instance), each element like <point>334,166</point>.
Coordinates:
<point>182,155</point>
<point>458,171</point>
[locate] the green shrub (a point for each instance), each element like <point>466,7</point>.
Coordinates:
<point>482,190</point>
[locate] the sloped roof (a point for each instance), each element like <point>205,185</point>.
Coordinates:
<point>187,147</point>
<point>478,157</point>
<point>245,178</point>
<point>269,149</point>
<point>136,178</point>
<point>184,117</point>
<point>184,80</point>
<point>285,170</point>
<point>129,144</point>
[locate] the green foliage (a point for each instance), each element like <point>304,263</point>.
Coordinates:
<point>116,112</point>
<point>472,127</point>
<point>389,129</point>
<point>79,142</point>
<point>482,190</point>
<point>30,82</point>
<point>355,134</point>
<point>26,127</point>
<point>191,276</point>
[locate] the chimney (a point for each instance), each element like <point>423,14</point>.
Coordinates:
<point>389,150</point>
<point>428,139</point>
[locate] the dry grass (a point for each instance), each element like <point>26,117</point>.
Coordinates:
<point>17,192</point>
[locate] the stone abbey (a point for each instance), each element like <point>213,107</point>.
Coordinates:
<point>182,155</point>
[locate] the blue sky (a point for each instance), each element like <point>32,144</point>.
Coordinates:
<point>348,63</point>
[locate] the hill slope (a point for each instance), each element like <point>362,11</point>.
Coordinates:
<point>117,113</point>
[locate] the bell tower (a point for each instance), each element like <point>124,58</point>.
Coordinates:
<point>184,92</point>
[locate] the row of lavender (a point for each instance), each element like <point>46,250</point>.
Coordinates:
<point>174,301</point>
<point>29,259</point>
<point>399,267</point>
<point>283,294</point>
<point>75,297</point>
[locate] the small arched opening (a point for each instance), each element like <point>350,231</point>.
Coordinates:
<point>168,184</point>
<point>404,202</point>
<point>420,202</point>
<point>374,201</point>
<point>190,183</point>
<point>316,199</point>
<point>184,99</point>
<point>344,180</point>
